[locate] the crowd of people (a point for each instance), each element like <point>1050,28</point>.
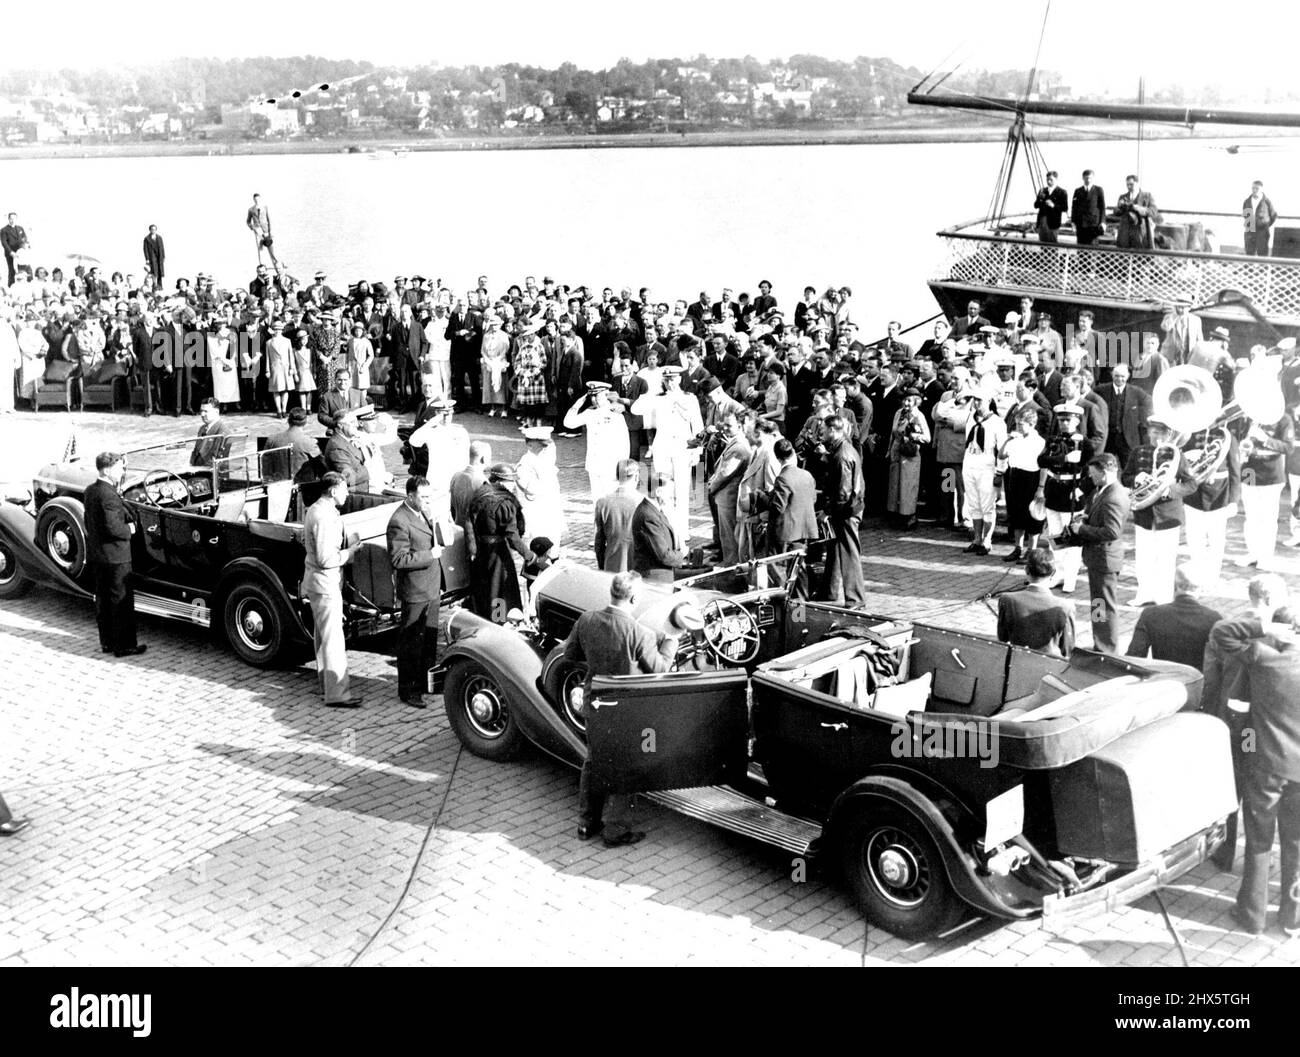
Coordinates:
<point>795,429</point>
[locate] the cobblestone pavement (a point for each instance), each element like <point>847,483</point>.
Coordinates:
<point>191,810</point>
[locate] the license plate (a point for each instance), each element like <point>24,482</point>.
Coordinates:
<point>1004,817</point>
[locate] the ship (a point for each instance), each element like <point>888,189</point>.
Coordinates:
<point>998,259</point>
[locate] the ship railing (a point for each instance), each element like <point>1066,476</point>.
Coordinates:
<point>1009,256</point>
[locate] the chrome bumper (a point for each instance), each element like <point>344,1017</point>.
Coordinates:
<point>1059,911</point>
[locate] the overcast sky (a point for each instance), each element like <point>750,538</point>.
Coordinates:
<point>1095,43</point>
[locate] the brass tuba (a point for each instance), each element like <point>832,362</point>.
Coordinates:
<point>1187,399</point>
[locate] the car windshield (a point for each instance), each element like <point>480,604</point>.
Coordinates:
<point>242,470</point>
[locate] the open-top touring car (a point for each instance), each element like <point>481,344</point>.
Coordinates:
<point>219,546</point>
<point>936,770</point>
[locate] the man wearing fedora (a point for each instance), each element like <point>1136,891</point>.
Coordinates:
<point>414,553</point>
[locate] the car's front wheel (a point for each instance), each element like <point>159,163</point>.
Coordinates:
<point>479,712</point>
<point>12,581</point>
<point>61,533</point>
<point>254,625</point>
<point>896,872</point>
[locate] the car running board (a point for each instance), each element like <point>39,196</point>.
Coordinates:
<point>726,808</point>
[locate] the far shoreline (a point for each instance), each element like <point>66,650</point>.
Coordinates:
<point>882,136</point>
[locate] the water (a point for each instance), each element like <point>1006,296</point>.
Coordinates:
<point>676,220</point>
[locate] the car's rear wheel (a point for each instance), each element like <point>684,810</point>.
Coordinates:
<point>254,624</point>
<point>896,872</point>
<point>479,713</point>
<point>61,534</point>
<point>12,581</point>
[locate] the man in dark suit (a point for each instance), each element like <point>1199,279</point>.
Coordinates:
<point>969,325</point>
<point>1051,205</point>
<point>108,548</point>
<point>656,551</point>
<point>13,238</point>
<point>614,514</point>
<point>1088,211</point>
<point>142,352</point>
<point>1032,616</point>
<point>611,641</point>
<point>1270,663</point>
<point>177,372</point>
<point>701,312</point>
<point>413,551</point>
<point>791,520</point>
<point>344,457</point>
<point>1128,409</point>
<point>1102,537</point>
<point>726,310</point>
<point>1030,398</point>
<point>155,254</point>
<point>1177,630</point>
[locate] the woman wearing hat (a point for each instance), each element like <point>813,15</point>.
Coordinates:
<point>360,355</point>
<point>538,479</point>
<point>220,353</point>
<point>494,356</point>
<point>33,347</point>
<point>530,378</point>
<point>303,368</point>
<point>281,370</point>
<point>909,432</point>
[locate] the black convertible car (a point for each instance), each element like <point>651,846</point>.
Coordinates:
<point>219,546</point>
<point>934,770</point>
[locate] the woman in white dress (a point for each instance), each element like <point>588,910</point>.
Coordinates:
<point>33,347</point>
<point>539,486</point>
<point>221,361</point>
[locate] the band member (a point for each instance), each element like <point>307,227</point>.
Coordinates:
<point>1265,449</point>
<point>1206,512</point>
<point>1060,487</point>
<point>1156,526</point>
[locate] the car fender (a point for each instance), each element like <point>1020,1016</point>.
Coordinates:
<point>250,568</point>
<point>959,866</point>
<point>19,529</point>
<point>516,666</point>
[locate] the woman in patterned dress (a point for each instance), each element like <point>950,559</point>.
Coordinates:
<point>530,379</point>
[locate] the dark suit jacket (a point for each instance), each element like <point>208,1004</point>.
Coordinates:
<point>1134,407</point>
<point>1088,208</point>
<point>790,504</point>
<point>1175,631</point>
<point>417,573</point>
<point>1102,531</point>
<point>1035,618</point>
<point>1038,407</point>
<point>342,456</point>
<point>1271,670</point>
<point>1051,206</point>
<point>108,528</point>
<point>613,544</point>
<point>964,327</point>
<point>1050,386</point>
<point>653,553</point>
<point>155,255</point>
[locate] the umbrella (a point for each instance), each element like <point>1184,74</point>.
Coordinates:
<point>83,259</point>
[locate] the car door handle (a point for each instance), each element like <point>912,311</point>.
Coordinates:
<point>152,530</point>
<point>214,541</point>
<point>835,726</point>
<point>956,656</point>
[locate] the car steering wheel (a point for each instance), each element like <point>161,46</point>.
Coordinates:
<point>153,491</point>
<point>730,631</point>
